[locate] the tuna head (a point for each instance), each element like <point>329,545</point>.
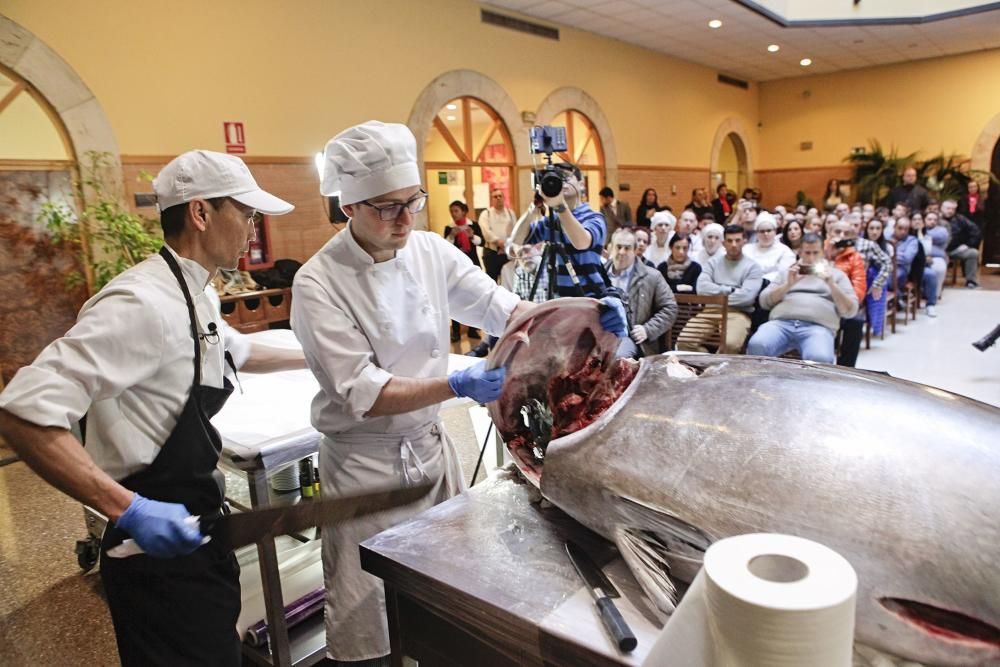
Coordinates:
<point>899,478</point>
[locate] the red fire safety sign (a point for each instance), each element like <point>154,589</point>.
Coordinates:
<point>235,139</point>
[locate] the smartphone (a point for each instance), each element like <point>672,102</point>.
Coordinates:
<point>844,243</point>
<point>807,269</point>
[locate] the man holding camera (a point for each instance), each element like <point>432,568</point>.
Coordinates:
<point>807,303</point>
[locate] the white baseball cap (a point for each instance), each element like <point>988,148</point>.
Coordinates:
<point>369,160</point>
<point>206,175</point>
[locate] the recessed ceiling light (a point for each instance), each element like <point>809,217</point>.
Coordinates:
<point>452,107</point>
<point>715,23</point>
<point>806,62</point>
<point>773,48</point>
<point>451,118</point>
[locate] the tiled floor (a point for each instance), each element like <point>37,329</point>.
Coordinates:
<point>51,614</point>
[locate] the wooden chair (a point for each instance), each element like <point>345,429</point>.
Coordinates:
<point>711,331</point>
<point>907,294</point>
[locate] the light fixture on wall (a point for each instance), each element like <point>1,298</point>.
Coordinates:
<point>806,62</point>
<point>320,163</point>
<point>773,48</point>
<point>452,107</point>
<point>714,24</point>
<point>451,117</point>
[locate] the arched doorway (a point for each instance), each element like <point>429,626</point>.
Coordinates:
<point>467,153</point>
<point>730,161</point>
<point>986,157</point>
<point>37,168</point>
<point>584,149</point>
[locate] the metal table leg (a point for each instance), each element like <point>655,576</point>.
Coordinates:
<point>274,603</point>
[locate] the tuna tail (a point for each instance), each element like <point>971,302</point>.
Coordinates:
<point>658,545</point>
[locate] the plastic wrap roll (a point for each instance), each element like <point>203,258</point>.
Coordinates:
<point>764,600</point>
<point>298,611</point>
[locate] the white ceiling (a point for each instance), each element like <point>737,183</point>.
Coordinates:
<point>679,28</point>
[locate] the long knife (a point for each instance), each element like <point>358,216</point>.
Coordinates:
<point>239,529</point>
<point>599,586</point>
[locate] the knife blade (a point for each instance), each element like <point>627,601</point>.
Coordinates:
<point>242,528</point>
<point>597,584</point>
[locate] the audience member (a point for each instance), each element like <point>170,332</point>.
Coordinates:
<point>939,237</point>
<point>663,224</point>
<point>807,303</point>
<point>736,276</point>
<point>699,203</point>
<point>840,249</point>
<point>773,257</point>
<point>680,271</point>
<point>704,220</point>
<point>467,236</point>
<point>747,218</point>
<point>721,208</point>
<point>964,243</point>
<point>617,214</point>
<point>841,209</point>
<point>792,236</point>
<point>652,308</point>
<point>497,222</point>
<point>832,197</point>
<point>867,212</point>
<point>687,227</point>
<point>813,225</point>
<point>972,204</point>
<point>878,269</point>
<point>648,207</point>
<point>911,265</point>
<point>875,232</point>
<point>520,275</point>
<point>910,193</point>
<point>711,243</point>
<point>641,244</point>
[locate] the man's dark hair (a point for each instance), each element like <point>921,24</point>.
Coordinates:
<point>734,229</point>
<point>568,166</point>
<point>719,187</point>
<point>677,238</point>
<point>708,216</point>
<point>607,192</point>
<point>172,219</point>
<point>461,204</point>
<point>811,237</point>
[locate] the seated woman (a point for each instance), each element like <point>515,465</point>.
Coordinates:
<point>711,244</point>
<point>680,271</point>
<point>773,257</point>
<point>792,236</point>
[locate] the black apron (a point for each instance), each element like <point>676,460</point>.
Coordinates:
<point>179,611</point>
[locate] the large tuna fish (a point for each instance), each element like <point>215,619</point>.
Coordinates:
<point>669,454</point>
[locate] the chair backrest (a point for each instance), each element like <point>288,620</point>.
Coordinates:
<point>710,330</point>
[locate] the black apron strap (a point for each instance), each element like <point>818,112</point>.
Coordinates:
<point>176,270</point>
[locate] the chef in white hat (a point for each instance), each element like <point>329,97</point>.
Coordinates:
<point>144,362</point>
<point>372,309</point>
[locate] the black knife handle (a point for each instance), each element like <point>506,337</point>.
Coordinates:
<point>616,625</point>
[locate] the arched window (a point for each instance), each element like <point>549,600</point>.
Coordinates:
<point>584,149</point>
<point>468,152</point>
<point>31,135</point>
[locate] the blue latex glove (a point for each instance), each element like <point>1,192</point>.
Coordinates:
<point>160,528</point>
<point>477,383</point>
<point>613,316</point>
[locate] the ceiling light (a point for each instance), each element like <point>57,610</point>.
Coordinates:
<point>452,107</point>
<point>806,62</point>
<point>773,48</point>
<point>715,23</point>
<point>451,118</point>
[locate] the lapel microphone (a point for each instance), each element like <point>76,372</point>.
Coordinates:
<point>212,336</point>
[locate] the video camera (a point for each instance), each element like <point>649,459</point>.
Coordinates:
<point>548,140</point>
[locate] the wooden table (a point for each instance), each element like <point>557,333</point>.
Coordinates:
<point>484,579</point>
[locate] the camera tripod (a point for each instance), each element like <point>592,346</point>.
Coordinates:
<point>553,247</point>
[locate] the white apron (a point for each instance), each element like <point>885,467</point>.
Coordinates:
<point>356,626</point>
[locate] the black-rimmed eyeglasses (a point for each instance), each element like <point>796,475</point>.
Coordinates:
<point>389,212</point>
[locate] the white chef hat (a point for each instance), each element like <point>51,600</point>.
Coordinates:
<point>369,160</point>
<point>663,218</point>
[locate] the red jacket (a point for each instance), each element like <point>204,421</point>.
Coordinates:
<point>852,263</point>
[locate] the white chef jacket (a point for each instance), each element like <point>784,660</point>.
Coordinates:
<point>362,322</point>
<point>128,362</point>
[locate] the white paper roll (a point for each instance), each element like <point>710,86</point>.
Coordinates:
<point>764,600</point>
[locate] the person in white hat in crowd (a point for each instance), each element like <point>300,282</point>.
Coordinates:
<point>662,224</point>
<point>372,310</point>
<point>144,362</point>
<point>773,256</point>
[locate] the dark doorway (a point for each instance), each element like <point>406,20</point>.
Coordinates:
<point>991,225</point>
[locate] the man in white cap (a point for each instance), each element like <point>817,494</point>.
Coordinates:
<point>372,310</point>
<point>144,362</point>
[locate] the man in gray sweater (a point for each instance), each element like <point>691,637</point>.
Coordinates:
<point>739,278</point>
<point>807,303</point>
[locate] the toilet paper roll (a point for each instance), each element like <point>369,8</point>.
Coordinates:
<point>764,600</point>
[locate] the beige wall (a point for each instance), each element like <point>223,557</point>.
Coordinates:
<point>929,106</point>
<point>296,73</point>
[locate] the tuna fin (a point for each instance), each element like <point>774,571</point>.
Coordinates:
<point>645,558</point>
<point>657,545</point>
